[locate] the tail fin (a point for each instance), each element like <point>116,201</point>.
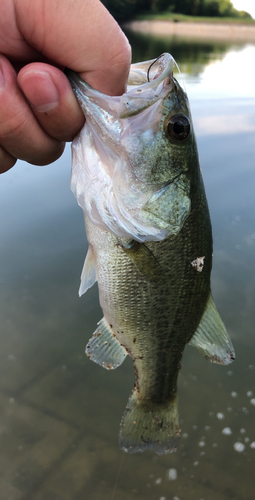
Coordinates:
<point>149,426</point>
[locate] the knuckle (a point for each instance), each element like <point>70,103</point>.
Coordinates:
<point>11,127</point>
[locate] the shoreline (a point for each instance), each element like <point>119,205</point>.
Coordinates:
<point>199,30</point>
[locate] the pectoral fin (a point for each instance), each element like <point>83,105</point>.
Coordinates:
<point>144,259</point>
<point>88,275</point>
<point>211,338</point>
<point>104,348</point>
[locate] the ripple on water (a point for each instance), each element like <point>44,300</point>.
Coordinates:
<point>227,431</point>
<point>240,447</point>
<point>201,443</point>
<point>171,474</point>
<point>220,416</point>
<point>158,481</point>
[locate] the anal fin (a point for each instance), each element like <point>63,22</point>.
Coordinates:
<point>211,338</point>
<point>104,348</point>
<point>88,275</point>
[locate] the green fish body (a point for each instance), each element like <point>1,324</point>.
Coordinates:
<point>136,175</point>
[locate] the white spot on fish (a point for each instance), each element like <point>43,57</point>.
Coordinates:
<point>243,431</point>
<point>227,431</point>
<point>196,463</point>
<point>240,447</point>
<point>198,264</point>
<point>234,394</point>
<point>249,394</point>
<point>252,445</point>
<point>171,474</point>
<point>252,401</point>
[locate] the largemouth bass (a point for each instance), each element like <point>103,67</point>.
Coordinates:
<point>137,177</point>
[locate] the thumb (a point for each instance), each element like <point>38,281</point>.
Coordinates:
<point>81,35</point>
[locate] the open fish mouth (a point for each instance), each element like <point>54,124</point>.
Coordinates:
<point>147,82</point>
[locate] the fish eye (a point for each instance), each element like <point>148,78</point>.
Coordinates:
<point>178,127</point>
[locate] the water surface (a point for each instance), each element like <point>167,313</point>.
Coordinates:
<point>59,412</point>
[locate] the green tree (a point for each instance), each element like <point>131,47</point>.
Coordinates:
<point>124,10</point>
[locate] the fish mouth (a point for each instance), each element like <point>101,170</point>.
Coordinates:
<point>148,82</point>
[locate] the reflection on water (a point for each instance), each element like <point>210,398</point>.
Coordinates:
<point>193,52</point>
<point>60,413</point>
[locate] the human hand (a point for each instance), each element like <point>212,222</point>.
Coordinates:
<point>39,111</point>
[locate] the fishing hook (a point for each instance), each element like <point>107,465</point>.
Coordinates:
<point>148,71</point>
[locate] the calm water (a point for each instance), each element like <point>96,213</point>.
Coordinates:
<point>59,412</point>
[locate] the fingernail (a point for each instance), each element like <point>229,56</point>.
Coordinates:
<point>40,91</point>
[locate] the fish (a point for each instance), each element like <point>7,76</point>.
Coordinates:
<point>136,175</point>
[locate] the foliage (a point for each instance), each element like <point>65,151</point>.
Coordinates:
<point>127,9</point>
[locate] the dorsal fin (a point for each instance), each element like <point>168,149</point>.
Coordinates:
<point>211,338</point>
<point>88,275</point>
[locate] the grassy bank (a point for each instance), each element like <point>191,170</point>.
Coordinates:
<point>167,16</point>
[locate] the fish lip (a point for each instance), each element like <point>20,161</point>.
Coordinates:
<point>164,65</point>
<point>163,69</point>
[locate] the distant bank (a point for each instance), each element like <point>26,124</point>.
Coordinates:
<point>228,31</point>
